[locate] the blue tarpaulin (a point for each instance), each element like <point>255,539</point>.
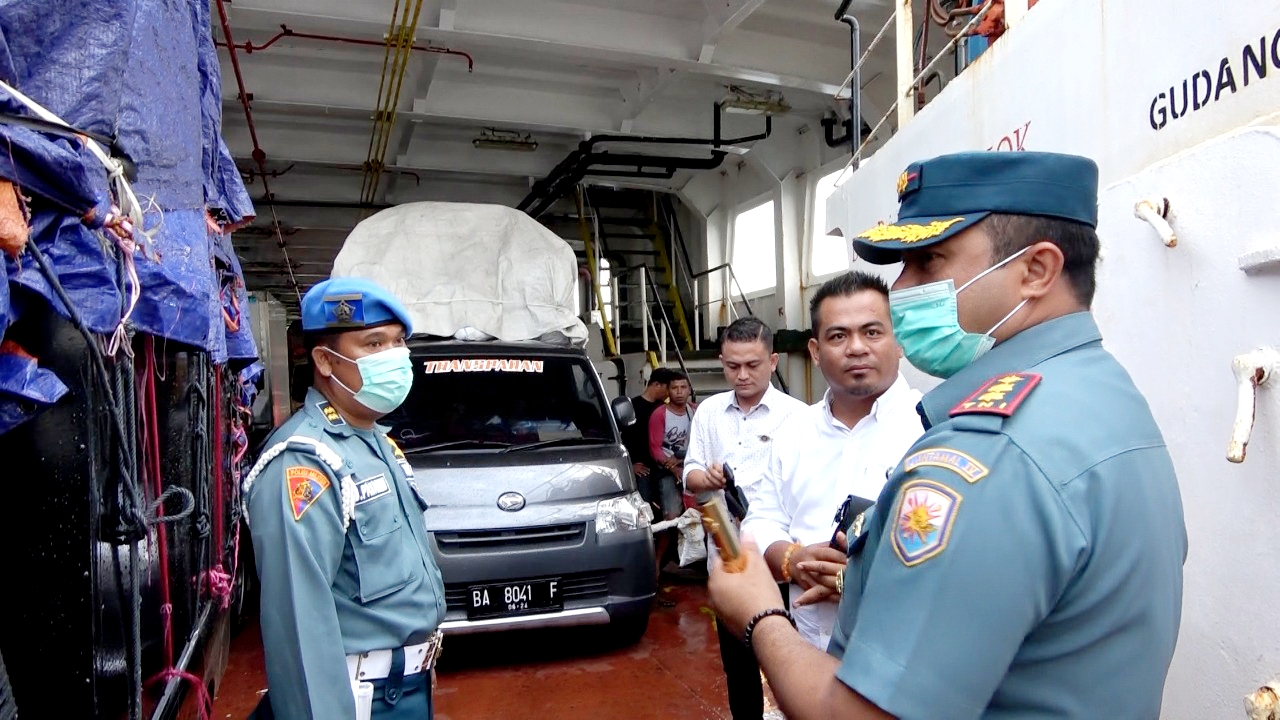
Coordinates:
<point>145,74</point>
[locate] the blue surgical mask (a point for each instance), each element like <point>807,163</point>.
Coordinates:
<point>385,379</point>
<point>926,322</point>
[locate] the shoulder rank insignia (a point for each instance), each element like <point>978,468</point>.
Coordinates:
<point>922,524</point>
<point>306,485</point>
<point>999,396</point>
<point>963,465</point>
<point>400,458</point>
<point>330,413</point>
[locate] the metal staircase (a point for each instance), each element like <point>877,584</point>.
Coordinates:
<point>644,292</point>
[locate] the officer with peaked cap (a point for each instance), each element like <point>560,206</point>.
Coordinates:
<point>351,595</point>
<point>1025,558</point>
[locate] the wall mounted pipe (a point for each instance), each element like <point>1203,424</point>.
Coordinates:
<point>580,162</point>
<point>1251,370</point>
<point>855,86</point>
<point>285,32</point>
<point>1156,211</point>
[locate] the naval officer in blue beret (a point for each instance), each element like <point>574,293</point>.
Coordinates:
<point>1025,558</point>
<point>351,596</point>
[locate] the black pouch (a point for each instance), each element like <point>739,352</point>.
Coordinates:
<point>848,512</point>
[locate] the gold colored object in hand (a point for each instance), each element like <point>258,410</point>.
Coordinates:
<point>840,582</point>
<point>716,520</point>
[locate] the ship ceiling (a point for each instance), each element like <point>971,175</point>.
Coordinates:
<point>550,72</point>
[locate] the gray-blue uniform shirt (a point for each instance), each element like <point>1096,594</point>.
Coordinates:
<point>329,592</point>
<point>1025,558</point>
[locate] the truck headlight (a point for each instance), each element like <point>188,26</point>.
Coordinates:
<point>628,512</point>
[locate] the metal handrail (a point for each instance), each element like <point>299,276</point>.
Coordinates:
<point>697,315</point>
<point>661,331</point>
<point>697,306</point>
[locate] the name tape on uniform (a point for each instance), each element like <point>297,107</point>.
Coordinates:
<point>372,489</point>
<point>968,468</point>
<point>431,367</point>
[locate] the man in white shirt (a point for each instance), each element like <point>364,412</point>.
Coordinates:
<point>844,445</point>
<point>737,429</point>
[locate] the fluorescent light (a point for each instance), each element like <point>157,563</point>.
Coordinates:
<point>494,144</point>
<point>744,102</point>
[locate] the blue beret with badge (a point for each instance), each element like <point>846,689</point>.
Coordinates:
<point>942,196</point>
<point>351,303</point>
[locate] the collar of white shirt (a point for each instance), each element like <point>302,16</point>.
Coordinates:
<point>767,401</point>
<point>885,405</point>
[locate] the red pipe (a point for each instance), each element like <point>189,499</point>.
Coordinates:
<point>249,47</point>
<point>259,156</point>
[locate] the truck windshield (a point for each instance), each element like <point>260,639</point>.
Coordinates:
<point>497,402</point>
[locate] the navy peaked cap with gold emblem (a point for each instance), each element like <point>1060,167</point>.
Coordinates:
<point>351,303</point>
<point>944,195</point>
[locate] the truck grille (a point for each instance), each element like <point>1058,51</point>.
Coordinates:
<point>546,536</point>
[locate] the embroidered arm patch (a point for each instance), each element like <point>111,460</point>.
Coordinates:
<point>922,524</point>
<point>306,485</point>
<point>963,465</point>
<point>1000,395</point>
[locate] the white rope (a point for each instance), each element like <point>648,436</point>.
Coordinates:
<point>349,497</point>
<point>115,169</point>
<point>124,222</point>
<point>310,446</point>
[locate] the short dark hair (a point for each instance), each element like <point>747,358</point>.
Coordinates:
<point>748,329</point>
<point>311,340</point>
<point>660,376</point>
<point>850,283</point>
<point>676,375</point>
<point>1078,242</point>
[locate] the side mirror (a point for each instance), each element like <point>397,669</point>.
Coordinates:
<point>623,411</point>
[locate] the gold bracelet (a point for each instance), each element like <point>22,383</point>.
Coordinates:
<point>786,561</point>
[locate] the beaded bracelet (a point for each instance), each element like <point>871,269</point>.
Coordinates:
<point>751,624</point>
<point>786,561</point>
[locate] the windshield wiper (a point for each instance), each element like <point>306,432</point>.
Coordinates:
<point>452,444</point>
<point>559,441</point>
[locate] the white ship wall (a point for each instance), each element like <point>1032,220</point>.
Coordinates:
<point>1083,78</point>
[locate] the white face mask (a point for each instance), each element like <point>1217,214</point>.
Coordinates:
<point>386,378</point>
<point>926,323</point>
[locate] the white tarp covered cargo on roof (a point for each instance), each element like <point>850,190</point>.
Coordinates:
<point>462,267</point>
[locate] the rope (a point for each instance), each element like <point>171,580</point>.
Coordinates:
<point>218,581</point>
<point>151,420</point>
<point>204,703</point>
<point>131,524</point>
<point>124,223</point>
<point>310,446</point>
<point>189,504</point>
